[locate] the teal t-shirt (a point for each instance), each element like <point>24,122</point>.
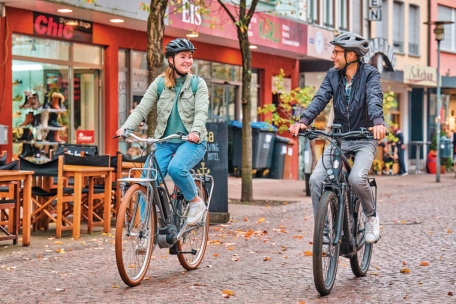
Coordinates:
<point>175,123</point>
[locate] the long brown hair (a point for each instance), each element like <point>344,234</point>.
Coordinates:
<point>170,81</point>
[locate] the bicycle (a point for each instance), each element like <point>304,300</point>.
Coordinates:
<point>339,223</point>
<point>149,215</point>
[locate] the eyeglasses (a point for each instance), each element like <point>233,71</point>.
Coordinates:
<point>334,52</point>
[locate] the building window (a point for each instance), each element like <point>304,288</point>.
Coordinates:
<point>313,11</point>
<point>328,16</point>
<point>398,26</point>
<point>414,25</point>
<point>357,17</point>
<point>344,17</point>
<point>448,14</point>
<point>381,27</point>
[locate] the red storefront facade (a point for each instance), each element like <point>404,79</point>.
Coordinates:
<point>271,35</point>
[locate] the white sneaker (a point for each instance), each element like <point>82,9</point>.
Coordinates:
<point>195,212</point>
<point>372,229</point>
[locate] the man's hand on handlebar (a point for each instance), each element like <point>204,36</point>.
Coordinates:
<point>295,128</point>
<point>378,131</point>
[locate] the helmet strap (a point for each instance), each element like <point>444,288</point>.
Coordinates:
<point>175,70</point>
<point>344,69</point>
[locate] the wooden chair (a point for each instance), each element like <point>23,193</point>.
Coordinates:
<point>10,207</point>
<point>46,207</point>
<point>93,194</point>
<point>8,191</point>
<point>124,164</point>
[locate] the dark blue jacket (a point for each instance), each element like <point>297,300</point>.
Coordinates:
<point>365,108</point>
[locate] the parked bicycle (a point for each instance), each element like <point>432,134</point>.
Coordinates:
<point>149,215</point>
<point>339,223</point>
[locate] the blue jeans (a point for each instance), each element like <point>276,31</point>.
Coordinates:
<point>186,156</point>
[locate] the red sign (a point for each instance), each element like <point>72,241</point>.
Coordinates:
<point>62,27</point>
<point>85,136</point>
<point>264,30</point>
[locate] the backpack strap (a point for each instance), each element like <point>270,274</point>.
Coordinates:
<point>193,83</point>
<point>160,86</point>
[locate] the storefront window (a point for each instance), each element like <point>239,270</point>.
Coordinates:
<point>40,48</point>
<point>53,97</point>
<point>37,118</point>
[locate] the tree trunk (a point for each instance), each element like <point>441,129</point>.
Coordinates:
<point>247,191</point>
<point>155,34</point>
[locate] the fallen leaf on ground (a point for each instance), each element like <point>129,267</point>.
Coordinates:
<point>215,242</point>
<point>228,292</point>
<point>197,284</point>
<point>60,250</point>
<point>245,219</point>
<point>266,259</point>
<point>450,293</point>
<point>449,231</point>
<point>261,220</point>
<point>405,270</point>
<point>60,289</point>
<point>307,253</point>
<point>424,263</point>
<point>215,254</point>
<point>58,243</point>
<point>404,263</point>
<point>229,247</point>
<point>297,236</point>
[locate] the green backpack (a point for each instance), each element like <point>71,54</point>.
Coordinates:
<point>193,83</point>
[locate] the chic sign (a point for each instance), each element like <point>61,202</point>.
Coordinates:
<point>62,27</point>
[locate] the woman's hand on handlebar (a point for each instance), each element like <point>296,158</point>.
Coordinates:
<point>378,131</point>
<point>193,137</point>
<point>295,128</point>
<point>120,132</point>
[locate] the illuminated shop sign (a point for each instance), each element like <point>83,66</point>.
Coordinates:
<point>62,27</point>
<point>264,30</point>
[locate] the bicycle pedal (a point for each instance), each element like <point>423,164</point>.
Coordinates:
<point>173,250</point>
<point>379,237</point>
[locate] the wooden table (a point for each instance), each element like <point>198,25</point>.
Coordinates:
<point>18,176</point>
<point>79,173</point>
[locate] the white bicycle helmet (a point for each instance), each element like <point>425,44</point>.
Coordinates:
<point>352,42</point>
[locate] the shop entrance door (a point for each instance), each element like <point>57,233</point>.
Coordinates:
<point>87,107</point>
<point>224,104</point>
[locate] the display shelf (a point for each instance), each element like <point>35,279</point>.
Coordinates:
<point>63,128</point>
<point>39,143</point>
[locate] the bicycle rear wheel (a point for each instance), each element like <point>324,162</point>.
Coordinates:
<point>325,254</point>
<point>192,244</point>
<point>135,235</point>
<point>361,260</point>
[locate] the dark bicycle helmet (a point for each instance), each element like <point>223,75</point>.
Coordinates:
<point>352,42</point>
<point>178,45</point>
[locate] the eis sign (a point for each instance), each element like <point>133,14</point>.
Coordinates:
<point>62,27</point>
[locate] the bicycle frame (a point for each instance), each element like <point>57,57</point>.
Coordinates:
<point>338,182</point>
<point>169,229</point>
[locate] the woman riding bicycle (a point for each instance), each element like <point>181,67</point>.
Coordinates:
<point>356,91</point>
<point>179,110</point>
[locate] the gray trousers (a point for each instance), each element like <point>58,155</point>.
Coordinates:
<point>364,155</point>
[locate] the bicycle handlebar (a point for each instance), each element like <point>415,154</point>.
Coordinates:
<point>151,140</point>
<point>312,134</point>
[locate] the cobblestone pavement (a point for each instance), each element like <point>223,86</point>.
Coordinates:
<point>269,266</point>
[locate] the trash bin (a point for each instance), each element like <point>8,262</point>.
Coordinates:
<point>279,153</point>
<point>263,136</point>
<point>445,147</point>
<point>288,160</point>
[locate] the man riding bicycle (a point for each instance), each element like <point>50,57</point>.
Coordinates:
<point>356,91</point>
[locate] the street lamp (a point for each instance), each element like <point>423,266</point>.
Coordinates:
<point>438,31</point>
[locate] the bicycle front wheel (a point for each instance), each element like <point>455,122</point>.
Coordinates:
<point>325,253</point>
<point>361,260</point>
<point>135,235</point>
<point>192,244</point>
